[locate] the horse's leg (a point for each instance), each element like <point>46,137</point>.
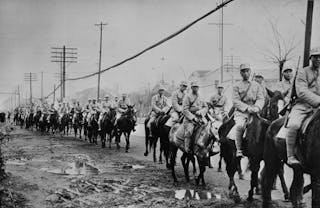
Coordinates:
<point>173,155</point>
<point>127,135</point>
<point>315,181</point>
<point>193,160</point>
<point>254,167</point>
<point>161,152</point>
<point>155,141</point>
<point>185,165</point>
<point>239,170</point>
<point>283,183</point>
<point>147,145</point>
<point>296,190</point>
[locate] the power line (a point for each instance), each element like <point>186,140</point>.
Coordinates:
<point>156,44</point>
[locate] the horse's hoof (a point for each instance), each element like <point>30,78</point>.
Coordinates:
<point>241,176</point>
<point>250,199</point>
<point>286,198</point>
<point>126,151</point>
<point>145,154</point>
<point>258,192</point>
<point>219,170</point>
<point>197,181</point>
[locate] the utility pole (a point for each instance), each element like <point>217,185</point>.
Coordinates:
<point>64,55</point>
<point>307,37</point>
<point>19,95</point>
<point>54,93</point>
<point>30,77</point>
<point>42,86</point>
<point>100,52</point>
<point>221,25</point>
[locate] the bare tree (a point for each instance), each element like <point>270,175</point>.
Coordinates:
<point>282,49</point>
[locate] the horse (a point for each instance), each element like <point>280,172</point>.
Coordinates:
<point>307,151</point>
<point>125,124</point>
<point>29,120</point>
<point>158,131</point>
<point>53,122</point>
<point>77,123</point>
<point>36,119</point>
<point>43,122</point>
<point>92,128</point>
<point>107,127</point>
<point>253,145</point>
<point>204,136</point>
<point>64,124</point>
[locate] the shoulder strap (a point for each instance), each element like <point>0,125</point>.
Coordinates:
<point>246,92</point>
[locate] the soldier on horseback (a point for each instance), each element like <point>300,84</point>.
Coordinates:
<point>122,107</point>
<point>77,110</point>
<point>93,107</point>
<point>194,111</point>
<point>218,102</point>
<point>248,99</point>
<point>285,85</point>
<point>106,105</point>
<point>308,99</point>
<point>62,111</point>
<point>176,100</point>
<point>158,104</point>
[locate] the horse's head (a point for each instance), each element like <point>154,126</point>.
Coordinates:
<point>272,105</point>
<point>130,111</point>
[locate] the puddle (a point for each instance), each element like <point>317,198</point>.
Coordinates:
<point>195,195</point>
<point>133,167</point>
<point>74,168</point>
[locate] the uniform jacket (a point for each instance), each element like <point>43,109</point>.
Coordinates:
<point>123,105</point>
<point>307,88</point>
<point>191,104</point>
<point>177,100</point>
<point>284,87</point>
<point>219,101</point>
<point>158,103</point>
<point>254,96</point>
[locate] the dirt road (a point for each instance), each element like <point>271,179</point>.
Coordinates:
<point>54,171</point>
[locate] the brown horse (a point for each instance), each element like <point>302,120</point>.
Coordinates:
<point>253,145</point>
<point>308,145</point>
<point>204,136</point>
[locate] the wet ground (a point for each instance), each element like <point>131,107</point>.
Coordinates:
<point>61,172</point>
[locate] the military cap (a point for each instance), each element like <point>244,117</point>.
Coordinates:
<point>244,66</point>
<point>220,86</point>
<point>315,52</point>
<point>259,76</point>
<point>161,87</point>
<point>106,96</point>
<point>184,83</point>
<point>194,84</point>
<point>287,69</point>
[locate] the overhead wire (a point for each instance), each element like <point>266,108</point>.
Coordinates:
<point>156,44</point>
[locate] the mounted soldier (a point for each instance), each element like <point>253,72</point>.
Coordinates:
<point>106,105</point>
<point>122,107</point>
<point>77,109</point>
<point>93,107</point>
<point>177,100</point>
<point>218,103</point>
<point>194,111</point>
<point>159,102</point>
<point>285,86</point>
<point>62,111</point>
<point>248,99</point>
<point>307,90</point>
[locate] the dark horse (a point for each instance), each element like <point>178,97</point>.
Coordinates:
<point>253,145</point>
<point>64,124</point>
<point>52,122</point>
<point>36,119</point>
<point>204,137</point>
<point>92,128</point>
<point>107,127</point>
<point>159,130</point>
<point>29,121</point>
<point>77,123</point>
<point>125,124</point>
<point>308,146</point>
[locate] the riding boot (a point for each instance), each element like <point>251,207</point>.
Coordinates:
<point>209,163</point>
<point>187,145</point>
<point>291,143</point>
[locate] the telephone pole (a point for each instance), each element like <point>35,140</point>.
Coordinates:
<point>100,52</point>
<point>307,37</point>
<point>221,25</point>
<point>42,86</point>
<point>19,95</point>
<point>30,77</point>
<point>64,55</point>
<point>54,93</point>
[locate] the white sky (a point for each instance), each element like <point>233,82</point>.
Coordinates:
<point>28,28</point>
